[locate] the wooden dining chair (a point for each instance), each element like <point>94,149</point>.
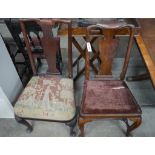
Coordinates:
<point>107,95</point>
<point>49,96</point>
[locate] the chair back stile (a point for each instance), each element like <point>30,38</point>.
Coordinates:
<point>108,44</point>
<point>127,57</point>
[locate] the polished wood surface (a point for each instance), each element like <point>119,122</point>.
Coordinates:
<point>146,42</point>
<point>99,100</point>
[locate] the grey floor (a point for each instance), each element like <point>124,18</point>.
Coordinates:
<point>142,90</point>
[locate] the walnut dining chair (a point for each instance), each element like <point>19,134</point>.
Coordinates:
<point>107,95</point>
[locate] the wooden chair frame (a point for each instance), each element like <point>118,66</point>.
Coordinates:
<point>71,123</point>
<point>109,32</point>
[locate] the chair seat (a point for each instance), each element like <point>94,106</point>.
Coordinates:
<point>47,97</point>
<point>108,97</point>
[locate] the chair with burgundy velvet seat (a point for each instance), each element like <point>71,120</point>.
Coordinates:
<point>107,95</point>
<point>49,96</point>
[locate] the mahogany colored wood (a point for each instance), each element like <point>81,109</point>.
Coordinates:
<point>108,44</point>
<point>50,45</point>
<point>107,50</point>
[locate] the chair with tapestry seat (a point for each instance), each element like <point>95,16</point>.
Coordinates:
<point>107,95</point>
<point>49,96</point>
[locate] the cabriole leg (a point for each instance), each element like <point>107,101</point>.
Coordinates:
<point>72,125</point>
<point>81,123</point>
<point>136,123</point>
<point>24,122</point>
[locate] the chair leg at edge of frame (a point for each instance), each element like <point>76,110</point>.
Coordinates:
<point>72,125</point>
<point>81,123</point>
<point>81,127</point>
<point>24,122</point>
<point>136,123</point>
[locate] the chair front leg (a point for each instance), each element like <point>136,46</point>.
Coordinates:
<point>81,123</point>
<point>136,123</point>
<point>72,125</point>
<point>24,122</point>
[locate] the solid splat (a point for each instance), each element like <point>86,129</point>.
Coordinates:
<point>50,45</point>
<point>107,49</point>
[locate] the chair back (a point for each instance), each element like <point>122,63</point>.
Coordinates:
<point>49,43</point>
<point>107,45</point>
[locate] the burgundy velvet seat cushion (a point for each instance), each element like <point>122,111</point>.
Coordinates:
<point>108,97</point>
